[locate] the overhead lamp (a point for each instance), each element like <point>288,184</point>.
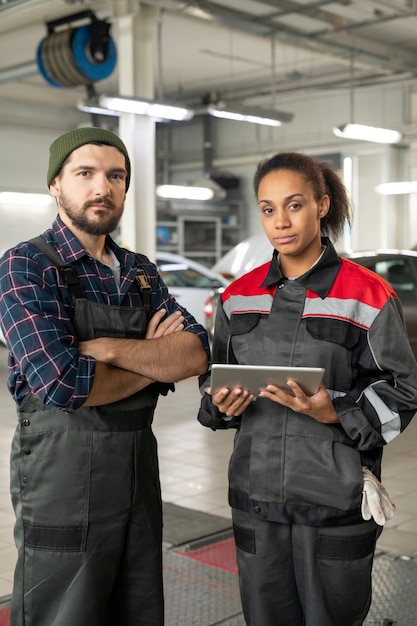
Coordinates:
<point>266,117</point>
<point>90,107</point>
<point>32,199</point>
<point>115,105</point>
<point>397,188</point>
<point>363,132</point>
<point>184,192</point>
<point>367,133</point>
<point>204,188</point>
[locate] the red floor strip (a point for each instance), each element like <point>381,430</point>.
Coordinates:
<point>4,617</point>
<point>221,554</point>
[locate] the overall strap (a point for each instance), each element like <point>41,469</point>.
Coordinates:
<point>71,279</point>
<point>67,272</point>
<point>143,286</point>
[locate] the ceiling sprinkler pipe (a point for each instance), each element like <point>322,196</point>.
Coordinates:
<point>18,71</point>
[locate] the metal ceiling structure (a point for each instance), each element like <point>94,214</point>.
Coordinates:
<point>248,50</point>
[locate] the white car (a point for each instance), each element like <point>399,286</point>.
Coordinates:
<point>246,255</point>
<point>242,258</point>
<point>189,282</point>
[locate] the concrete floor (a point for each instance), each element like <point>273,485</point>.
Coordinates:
<point>193,462</point>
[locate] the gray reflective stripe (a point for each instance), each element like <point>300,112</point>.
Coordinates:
<point>336,394</point>
<point>348,310</point>
<point>390,420</point>
<point>248,304</point>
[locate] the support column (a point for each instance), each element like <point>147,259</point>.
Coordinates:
<point>136,50</point>
<point>388,227</point>
<point>402,201</point>
<point>395,216</point>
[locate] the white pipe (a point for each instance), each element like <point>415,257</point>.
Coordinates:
<point>18,71</point>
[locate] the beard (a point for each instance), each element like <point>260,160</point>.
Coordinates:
<point>78,216</point>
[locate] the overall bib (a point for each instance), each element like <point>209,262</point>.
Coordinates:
<point>86,493</point>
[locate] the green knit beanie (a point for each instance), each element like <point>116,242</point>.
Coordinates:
<point>62,147</point>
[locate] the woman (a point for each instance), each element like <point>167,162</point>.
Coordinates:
<point>305,545</point>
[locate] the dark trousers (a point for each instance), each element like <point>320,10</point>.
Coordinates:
<point>296,575</point>
<point>88,527</point>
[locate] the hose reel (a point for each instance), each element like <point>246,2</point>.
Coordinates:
<point>76,56</point>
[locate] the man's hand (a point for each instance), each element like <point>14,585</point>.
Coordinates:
<point>376,502</point>
<point>158,328</point>
<point>156,356</point>
<point>115,383</point>
<point>100,348</point>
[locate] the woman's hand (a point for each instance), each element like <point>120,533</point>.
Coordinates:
<point>319,406</point>
<point>231,401</point>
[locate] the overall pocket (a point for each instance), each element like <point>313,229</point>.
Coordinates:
<point>53,471</point>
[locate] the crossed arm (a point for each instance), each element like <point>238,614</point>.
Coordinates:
<point>125,366</point>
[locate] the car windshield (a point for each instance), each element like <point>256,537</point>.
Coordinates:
<point>181,275</point>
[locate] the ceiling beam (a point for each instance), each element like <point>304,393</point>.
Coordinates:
<point>367,53</point>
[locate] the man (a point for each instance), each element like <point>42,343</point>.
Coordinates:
<point>84,470</point>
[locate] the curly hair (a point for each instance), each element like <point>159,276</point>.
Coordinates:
<point>324,181</point>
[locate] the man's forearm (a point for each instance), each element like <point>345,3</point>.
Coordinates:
<point>112,384</point>
<point>166,359</point>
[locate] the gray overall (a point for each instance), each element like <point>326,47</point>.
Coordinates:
<point>86,493</point>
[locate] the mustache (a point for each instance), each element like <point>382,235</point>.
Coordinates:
<point>101,201</point>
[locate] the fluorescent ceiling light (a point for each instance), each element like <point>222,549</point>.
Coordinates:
<point>267,117</point>
<point>200,13</point>
<point>163,111</point>
<point>367,133</point>
<point>14,197</point>
<point>204,188</point>
<point>95,109</point>
<point>184,192</point>
<point>158,110</point>
<point>391,189</point>
<point>114,105</point>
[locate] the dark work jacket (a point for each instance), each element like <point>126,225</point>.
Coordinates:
<point>287,466</point>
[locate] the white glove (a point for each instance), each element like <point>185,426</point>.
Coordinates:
<point>376,502</point>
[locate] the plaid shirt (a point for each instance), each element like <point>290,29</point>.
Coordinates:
<point>36,311</point>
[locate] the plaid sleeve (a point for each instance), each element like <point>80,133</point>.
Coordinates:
<point>44,356</point>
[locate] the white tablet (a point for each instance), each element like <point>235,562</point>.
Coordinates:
<point>256,377</point>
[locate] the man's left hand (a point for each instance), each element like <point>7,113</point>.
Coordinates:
<point>158,326</point>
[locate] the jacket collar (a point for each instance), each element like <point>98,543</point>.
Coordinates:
<point>319,278</point>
